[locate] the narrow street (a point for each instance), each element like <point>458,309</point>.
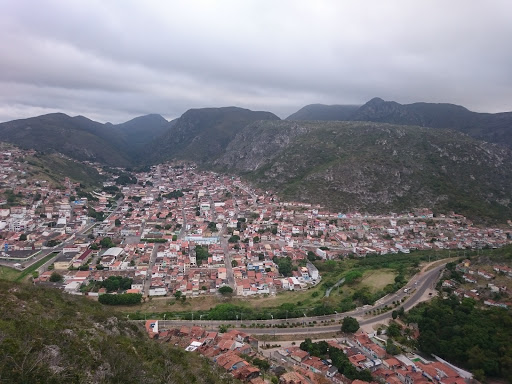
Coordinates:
<point>147,280</point>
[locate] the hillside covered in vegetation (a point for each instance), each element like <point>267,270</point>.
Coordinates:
<point>374,167</point>
<point>466,335</point>
<point>49,337</point>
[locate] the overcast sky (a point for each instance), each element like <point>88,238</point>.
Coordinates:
<point>114,60</point>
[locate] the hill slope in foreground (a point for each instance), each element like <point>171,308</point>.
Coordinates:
<point>49,337</point>
<point>374,167</point>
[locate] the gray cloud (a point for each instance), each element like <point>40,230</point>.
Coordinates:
<point>115,60</point>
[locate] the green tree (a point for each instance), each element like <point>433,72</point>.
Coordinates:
<point>177,294</point>
<point>56,277</point>
<point>394,330</point>
<point>23,237</point>
<point>234,239</point>
<point>349,325</point>
<point>106,242</point>
<point>225,290</point>
<point>392,348</point>
<point>117,223</point>
<point>284,264</point>
<point>124,299</point>
<point>262,364</point>
<point>52,243</point>
<point>352,276</point>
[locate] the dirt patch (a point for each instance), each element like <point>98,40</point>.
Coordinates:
<point>378,279</point>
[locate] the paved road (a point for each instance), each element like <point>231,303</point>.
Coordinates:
<point>227,257</point>
<point>230,277</point>
<point>149,273</point>
<point>425,282</point>
<point>183,230</point>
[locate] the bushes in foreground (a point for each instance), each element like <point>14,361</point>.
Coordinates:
<point>124,299</point>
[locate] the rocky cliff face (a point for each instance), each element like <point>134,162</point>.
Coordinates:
<point>374,167</point>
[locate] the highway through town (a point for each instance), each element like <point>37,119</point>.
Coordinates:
<point>419,288</point>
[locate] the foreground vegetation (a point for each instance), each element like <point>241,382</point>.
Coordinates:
<point>47,336</point>
<point>460,332</point>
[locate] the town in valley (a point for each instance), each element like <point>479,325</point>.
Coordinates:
<point>175,231</point>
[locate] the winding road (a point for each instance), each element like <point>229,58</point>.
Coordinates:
<point>419,288</point>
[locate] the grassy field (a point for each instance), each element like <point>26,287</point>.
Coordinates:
<point>378,279</point>
<point>12,274</point>
<point>9,274</point>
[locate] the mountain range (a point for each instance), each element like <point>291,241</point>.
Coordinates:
<point>491,127</point>
<point>384,156</point>
<point>84,139</point>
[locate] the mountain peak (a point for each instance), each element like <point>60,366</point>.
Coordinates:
<point>376,100</point>
<point>322,112</point>
<point>152,117</point>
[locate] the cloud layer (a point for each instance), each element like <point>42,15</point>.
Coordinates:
<point>113,60</point>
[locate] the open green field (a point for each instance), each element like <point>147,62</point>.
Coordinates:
<point>12,274</point>
<point>378,279</point>
<point>9,274</point>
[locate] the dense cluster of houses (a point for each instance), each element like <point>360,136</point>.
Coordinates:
<point>160,221</point>
<point>230,350</point>
<point>234,350</point>
<point>35,212</point>
<point>493,289</point>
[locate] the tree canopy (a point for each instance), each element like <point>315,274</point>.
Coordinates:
<point>106,242</point>
<point>55,277</point>
<point>349,325</point>
<point>124,299</point>
<point>460,332</point>
<point>225,290</point>
<point>284,264</point>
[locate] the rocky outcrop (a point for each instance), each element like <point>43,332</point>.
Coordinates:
<point>374,167</point>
